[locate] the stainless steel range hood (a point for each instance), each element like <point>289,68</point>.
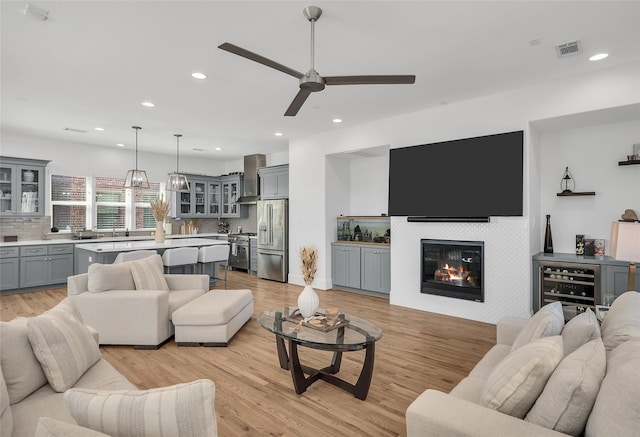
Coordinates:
<point>251,192</point>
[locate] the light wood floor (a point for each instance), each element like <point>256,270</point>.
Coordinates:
<point>254,396</point>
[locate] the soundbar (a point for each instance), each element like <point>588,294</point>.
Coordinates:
<point>448,219</point>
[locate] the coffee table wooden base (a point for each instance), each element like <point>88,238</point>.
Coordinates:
<point>291,362</point>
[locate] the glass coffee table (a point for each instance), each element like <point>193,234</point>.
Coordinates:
<point>350,333</point>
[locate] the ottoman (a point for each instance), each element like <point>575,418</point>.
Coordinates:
<point>213,318</point>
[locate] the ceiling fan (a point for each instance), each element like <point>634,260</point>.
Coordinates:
<point>312,81</point>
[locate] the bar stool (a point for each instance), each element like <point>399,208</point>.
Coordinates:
<point>214,255</point>
<point>131,256</point>
<point>180,256</point>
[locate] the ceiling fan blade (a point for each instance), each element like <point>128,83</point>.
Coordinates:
<point>260,59</point>
<point>370,80</point>
<point>297,102</point>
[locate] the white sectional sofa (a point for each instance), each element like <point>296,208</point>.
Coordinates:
<point>545,378</point>
<point>54,382</point>
<point>131,303</point>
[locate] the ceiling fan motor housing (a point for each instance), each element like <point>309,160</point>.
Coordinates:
<point>312,81</point>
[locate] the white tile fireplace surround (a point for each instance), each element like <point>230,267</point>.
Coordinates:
<point>507,267</point>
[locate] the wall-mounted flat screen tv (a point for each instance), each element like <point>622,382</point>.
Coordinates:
<point>468,178</point>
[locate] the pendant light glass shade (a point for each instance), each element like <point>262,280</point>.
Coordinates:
<point>177,181</point>
<point>136,178</point>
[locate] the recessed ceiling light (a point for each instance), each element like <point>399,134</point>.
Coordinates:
<point>98,128</point>
<point>337,120</point>
<point>198,149</point>
<point>198,75</point>
<point>599,57</point>
<point>148,104</point>
<point>218,149</point>
<point>120,145</point>
<point>278,134</point>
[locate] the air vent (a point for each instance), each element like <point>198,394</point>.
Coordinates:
<point>569,49</point>
<point>78,131</point>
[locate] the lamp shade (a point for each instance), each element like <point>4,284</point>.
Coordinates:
<point>136,178</point>
<point>177,182</point>
<point>625,241</point>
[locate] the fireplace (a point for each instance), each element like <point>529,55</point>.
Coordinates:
<point>453,269</point>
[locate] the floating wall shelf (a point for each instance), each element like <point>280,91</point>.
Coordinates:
<point>633,162</point>
<point>577,193</point>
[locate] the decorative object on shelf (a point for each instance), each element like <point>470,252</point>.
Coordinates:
<point>589,247</point>
<point>136,178</point>
<point>625,246</point>
<point>28,176</point>
<point>579,244</point>
<point>636,150</point>
<point>308,300</point>
<point>567,183</point>
<point>598,247</point>
<point>177,181</point>
<point>160,210</point>
<point>629,215</point>
<point>548,240</point>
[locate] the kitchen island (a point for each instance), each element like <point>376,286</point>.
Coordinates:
<point>105,253</point>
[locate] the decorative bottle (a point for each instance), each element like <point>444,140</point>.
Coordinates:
<point>548,241</point>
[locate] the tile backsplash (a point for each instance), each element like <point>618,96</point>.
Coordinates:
<point>34,228</point>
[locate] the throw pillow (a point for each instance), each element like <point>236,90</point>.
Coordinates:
<point>622,321</point>
<point>48,427</point>
<point>64,347</point>
<point>568,397</point>
<point>181,410</point>
<point>617,408</point>
<point>66,308</point>
<point>517,381</point>
<point>579,330</point>
<point>22,372</point>
<point>103,277</point>
<point>148,273</point>
<point>548,321</point>
<point>6,416</point>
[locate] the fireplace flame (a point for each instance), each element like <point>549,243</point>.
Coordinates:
<point>450,273</point>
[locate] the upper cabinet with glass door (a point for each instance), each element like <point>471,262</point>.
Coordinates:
<point>22,186</point>
<point>231,192</point>
<point>202,201</point>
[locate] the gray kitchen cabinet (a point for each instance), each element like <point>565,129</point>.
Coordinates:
<point>345,265</point>
<point>45,265</point>
<point>375,269</point>
<point>274,182</point>
<point>9,268</point>
<point>253,255</point>
<point>616,279</point>
<point>22,183</point>
<point>232,186</point>
<point>202,201</point>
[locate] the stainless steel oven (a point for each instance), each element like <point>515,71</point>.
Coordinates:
<point>239,258</point>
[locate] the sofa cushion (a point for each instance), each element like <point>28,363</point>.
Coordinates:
<point>103,277</point>
<point>6,418</point>
<point>469,389</point>
<point>48,427</point>
<point>616,411</point>
<point>64,347</point>
<point>22,371</point>
<point>490,360</point>
<point>622,321</point>
<point>148,273</point>
<point>180,410</point>
<point>517,381</point>
<point>67,308</point>
<point>548,321</point>
<point>567,399</point>
<point>179,298</point>
<point>580,330</point>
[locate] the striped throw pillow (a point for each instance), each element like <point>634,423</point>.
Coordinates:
<point>148,273</point>
<point>182,410</point>
<point>64,347</point>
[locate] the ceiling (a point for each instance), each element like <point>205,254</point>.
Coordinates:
<point>92,63</point>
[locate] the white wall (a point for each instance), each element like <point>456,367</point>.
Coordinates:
<point>507,293</point>
<point>369,185</point>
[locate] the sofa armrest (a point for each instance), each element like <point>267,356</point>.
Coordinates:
<point>508,329</point>
<point>133,317</point>
<point>187,282</point>
<point>439,414</point>
<point>77,284</point>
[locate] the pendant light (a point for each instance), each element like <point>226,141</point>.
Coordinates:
<point>136,178</point>
<point>177,182</point>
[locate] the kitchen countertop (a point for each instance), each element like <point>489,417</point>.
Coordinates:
<point>104,239</point>
<point>125,246</point>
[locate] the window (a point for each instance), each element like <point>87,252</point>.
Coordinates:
<point>113,207</point>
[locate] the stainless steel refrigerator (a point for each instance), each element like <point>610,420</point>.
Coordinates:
<point>273,239</point>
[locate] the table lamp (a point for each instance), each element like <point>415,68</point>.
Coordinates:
<point>625,246</point>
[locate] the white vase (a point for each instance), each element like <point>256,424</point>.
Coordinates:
<point>308,301</point>
<point>159,236</point>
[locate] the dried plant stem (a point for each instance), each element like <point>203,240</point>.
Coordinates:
<point>309,258</point>
<point>159,209</point>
